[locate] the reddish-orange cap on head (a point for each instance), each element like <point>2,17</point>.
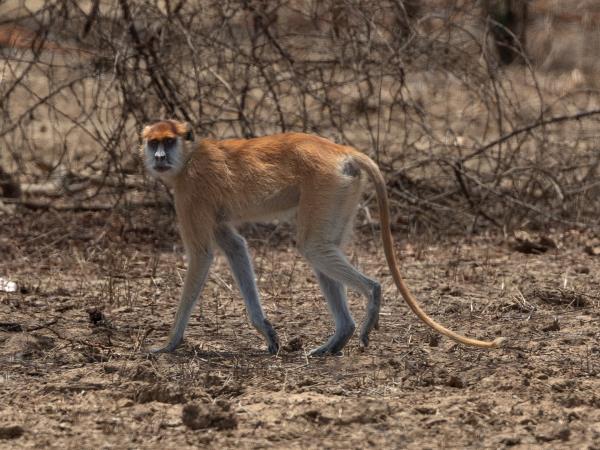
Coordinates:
<point>165,129</point>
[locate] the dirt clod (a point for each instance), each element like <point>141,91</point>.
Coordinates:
<point>425,410</point>
<point>455,382</point>
<point>582,269</point>
<point>10,327</point>
<point>315,416</point>
<point>295,344</point>
<point>11,432</point>
<point>592,250</point>
<point>525,243</point>
<point>434,339</point>
<point>554,326</point>
<point>509,441</point>
<point>198,416</point>
<point>143,371</point>
<point>96,316</point>
<point>24,345</point>
<point>562,434</point>
<point>163,393</point>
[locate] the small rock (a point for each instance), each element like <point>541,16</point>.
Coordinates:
<point>7,285</point>
<point>592,250</point>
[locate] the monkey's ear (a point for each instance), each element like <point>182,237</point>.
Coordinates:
<point>146,131</point>
<point>184,129</point>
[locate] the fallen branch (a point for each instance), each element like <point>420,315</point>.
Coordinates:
<point>518,131</point>
<point>51,206</point>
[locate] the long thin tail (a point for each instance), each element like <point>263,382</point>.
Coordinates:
<point>369,166</point>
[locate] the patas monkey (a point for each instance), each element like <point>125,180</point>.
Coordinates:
<point>218,184</point>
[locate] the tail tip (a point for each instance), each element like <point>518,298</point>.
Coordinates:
<point>498,342</point>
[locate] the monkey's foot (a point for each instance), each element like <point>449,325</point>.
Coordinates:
<point>371,321</point>
<point>167,348</point>
<point>325,350</point>
<point>334,344</point>
<point>273,348</point>
<point>365,331</point>
<point>271,336</point>
<point>273,342</point>
<point>364,339</point>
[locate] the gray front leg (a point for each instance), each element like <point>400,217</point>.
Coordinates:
<point>236,251</point>
<point>195,278</point>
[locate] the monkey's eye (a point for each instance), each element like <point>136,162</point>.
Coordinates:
<point>168,142</point>
<point>153,144</point>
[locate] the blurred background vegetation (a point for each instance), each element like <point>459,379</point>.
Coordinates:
<point>482,114</point>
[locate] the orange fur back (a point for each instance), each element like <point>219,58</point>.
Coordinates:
<point>242,179</point>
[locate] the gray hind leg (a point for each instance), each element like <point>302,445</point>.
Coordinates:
<point>371,320</point>
<point>236,251</point>
<point>325,219</point>
<point>335,294</point>
<point>329,260</point>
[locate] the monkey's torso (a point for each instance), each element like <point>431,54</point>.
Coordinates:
<point>241,180</point>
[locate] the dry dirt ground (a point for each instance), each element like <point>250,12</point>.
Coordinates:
<point>97,288</point>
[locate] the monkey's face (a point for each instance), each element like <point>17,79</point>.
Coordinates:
<point>164,149</point>
<point>163,157</point>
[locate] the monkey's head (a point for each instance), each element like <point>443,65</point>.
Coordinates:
<point>164,148</point>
